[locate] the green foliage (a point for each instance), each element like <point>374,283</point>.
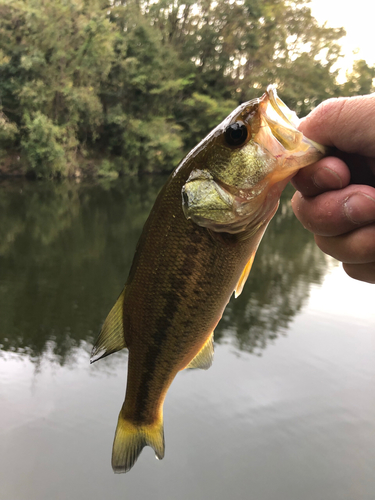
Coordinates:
<point>42,146</point>
<point>201,113</point>
<point>360,80</point>
<point>55,56</point>
<point>145,146</point>
<point>8,132</point>
<point>143,81</point>
<point>108,169</point>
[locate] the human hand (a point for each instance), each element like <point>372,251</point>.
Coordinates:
<point>341,214</point>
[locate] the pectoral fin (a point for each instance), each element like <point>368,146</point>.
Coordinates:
<point>244,276</point>
<point>111,337</point>
<point>205,356</point>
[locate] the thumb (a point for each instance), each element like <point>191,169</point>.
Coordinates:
<point>348,123</point>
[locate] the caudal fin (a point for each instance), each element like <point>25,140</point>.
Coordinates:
<point>130,440</point>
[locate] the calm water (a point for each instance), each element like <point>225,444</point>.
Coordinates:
<point>287,411</point>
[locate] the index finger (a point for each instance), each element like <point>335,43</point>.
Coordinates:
<point>346,123</point>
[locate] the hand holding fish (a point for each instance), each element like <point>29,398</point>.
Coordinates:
<point>333,202</point>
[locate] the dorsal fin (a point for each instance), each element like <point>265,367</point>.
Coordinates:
<point>205,356</point>
<point>111,337</point>
<point>244,276</point>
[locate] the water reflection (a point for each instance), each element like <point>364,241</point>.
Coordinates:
<point>65,252</point>
<point>66,249</point>
<point>287,263</point>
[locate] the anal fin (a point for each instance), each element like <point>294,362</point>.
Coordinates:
<point>111,337</point>
<point>205,356</point>
<point>244,276</point>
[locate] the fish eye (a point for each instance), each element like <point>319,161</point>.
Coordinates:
<point>236,134</point>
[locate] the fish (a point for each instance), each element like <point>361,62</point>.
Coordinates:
<point>197,249</point>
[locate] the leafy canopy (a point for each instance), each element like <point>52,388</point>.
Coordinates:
<point>135,84</point>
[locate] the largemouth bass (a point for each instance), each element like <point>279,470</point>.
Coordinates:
<point>196,249</point>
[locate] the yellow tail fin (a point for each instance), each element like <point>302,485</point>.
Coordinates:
<point>130,440</point>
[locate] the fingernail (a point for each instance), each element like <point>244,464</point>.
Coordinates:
<point>360,208</point>
<point>325,178</point>
<point>296,195</point>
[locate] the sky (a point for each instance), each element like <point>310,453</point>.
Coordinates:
<point>358,20</point>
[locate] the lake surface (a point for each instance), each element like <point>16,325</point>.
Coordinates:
<point>286,412</point>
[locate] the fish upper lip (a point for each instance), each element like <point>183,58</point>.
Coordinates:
<point>280,117</point>
<point>276,112</point>
<point>277,104</point>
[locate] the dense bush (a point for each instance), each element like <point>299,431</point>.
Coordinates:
<point>41,144</point>
<point>8,133</point>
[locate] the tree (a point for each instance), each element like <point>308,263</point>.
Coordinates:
<point>135,84</point>
<point>360,80</point>
<point>54,58</point>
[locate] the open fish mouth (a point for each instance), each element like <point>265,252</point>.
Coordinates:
<point>283,124</point>
<point>276,104</point>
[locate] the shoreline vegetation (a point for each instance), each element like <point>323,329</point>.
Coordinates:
<point>13,166</point>
<point>109,88</point>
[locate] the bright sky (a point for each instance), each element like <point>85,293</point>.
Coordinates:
<point>358,20</point>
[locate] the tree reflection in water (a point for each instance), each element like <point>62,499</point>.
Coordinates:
<point>66,249</point>
<point>286,264</point>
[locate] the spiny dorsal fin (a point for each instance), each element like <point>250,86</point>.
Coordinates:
<point>111,337</point>
<point>244,276</point>
<point>205,356</point>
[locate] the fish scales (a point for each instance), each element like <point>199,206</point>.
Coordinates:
<point>186,282</point>
<point>196,249</point>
